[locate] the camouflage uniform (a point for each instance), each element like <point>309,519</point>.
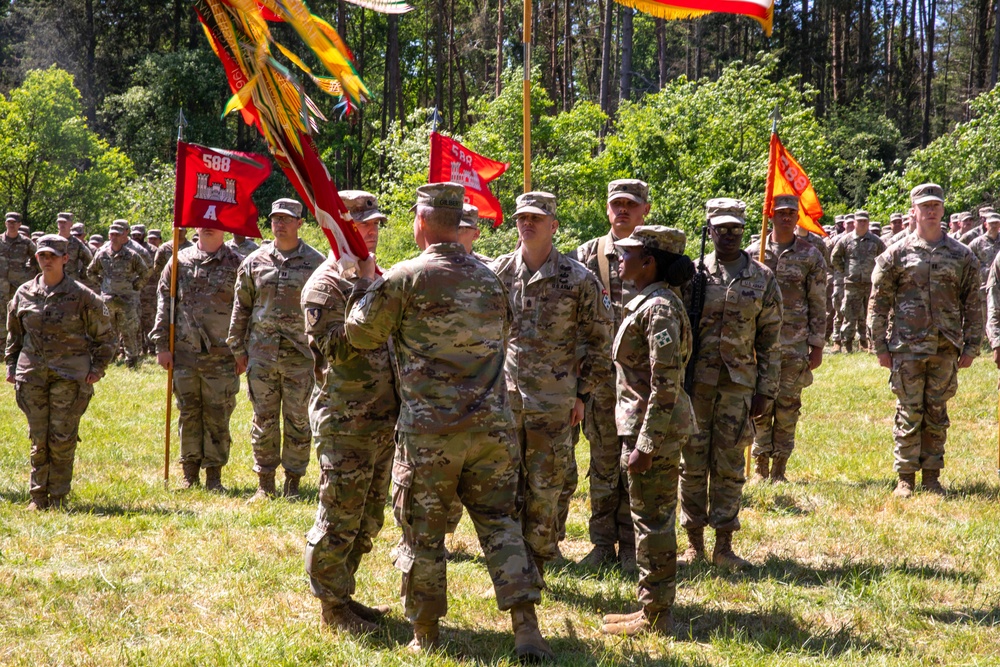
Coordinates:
<point>353,410</point>
<point>558,350</point>
<point>993,305</point>
<point>205,379</point>
<point>834,319</point>
<point>854,257</point>
<point>610,517</point>
<point>163,255</point>
<point>985,249</point>
<point>120,275</point>
<point>243,249</point>
<point>968,237</point>
<point>739,356</point>
<point>267,326</point>
<point>80,257</point>
<point>654,415</point>
<point>449,318</point>
<point>17,266</point>
<point>801,275</point>
<point>57,336</point>
<point>925,312</point>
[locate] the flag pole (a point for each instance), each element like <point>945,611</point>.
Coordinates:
<point>526,102</point>
<point>181,122</point>
<point>772,157</point>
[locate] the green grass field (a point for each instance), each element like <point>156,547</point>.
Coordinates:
<point>845,573</point>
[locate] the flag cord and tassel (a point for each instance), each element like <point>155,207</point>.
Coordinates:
<point>181,123</point>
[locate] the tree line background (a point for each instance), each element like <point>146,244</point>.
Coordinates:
<point>876,96</point>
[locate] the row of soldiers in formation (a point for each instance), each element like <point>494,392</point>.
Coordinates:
<point>462,380</point>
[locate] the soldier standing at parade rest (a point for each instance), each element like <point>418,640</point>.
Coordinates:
<point>353,412</point>
<point>986,248</point>
<point>978,228</point>
<point>58,344</point>
<point>79,254</point>
<point>737,372</point>
<point>558,351</point>
<point>654,415</point>
<point>449,318</point>
<point>243,245</point>
<point>121,271</point>
<point>835,310</point>
<point>267,336</point>
<point>895,224</point>
<point>17,264</point>
<point>801,275</point>
<point>853,257</point>
<point>147,295</point>
<point>155,239</point>
<point>926,293</point>
<point>610,519</point>
<point>205,378</point>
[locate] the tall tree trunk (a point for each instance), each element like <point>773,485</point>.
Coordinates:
<point>451,65</point>
<point>175,39</point>
<point>89,74</point>
<point>995,65</point>
<point>567,58</point>
<point>625,83</point>
<point>980,49</point>
<point>499,73</point>
<point>605,89</point>
<point>661,52</point>
<point>925,131</point>
<point>805,52</point>
<point>439,36</point>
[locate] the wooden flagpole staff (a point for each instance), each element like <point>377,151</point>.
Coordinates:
<point>173,306</point>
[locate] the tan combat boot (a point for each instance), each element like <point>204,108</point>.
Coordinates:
<point>265,487</point>
<point>38,502</point>
<point>340,617</point>
<point>696,548</point>
<point>191,472</point>
<point>662,624</point>
<point>426,637</point>
<point>778,470</point>
<point>621,618</point>
<point>930,481</point>
<point>370,614</point>
<point>723,555</point>
<point>291,489</point>
<point>760,473</point>
<point>626,559</point>
<point>600,556</point>
<point>529,645</point>
<point>58,502</point>
<point>904,488</point>
<point>213,480</point>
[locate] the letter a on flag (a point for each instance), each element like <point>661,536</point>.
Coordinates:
<point>451,161</point>
<point>785,176</point>
<point>214,188</point>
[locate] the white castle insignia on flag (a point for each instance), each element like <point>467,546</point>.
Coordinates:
<point>467,177</point>
<point>214,191</point>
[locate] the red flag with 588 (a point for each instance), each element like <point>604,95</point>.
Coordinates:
<point>215,187</point>
<point>451,161</point>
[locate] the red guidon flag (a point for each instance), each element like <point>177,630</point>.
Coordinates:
<point>215,187</point>
<point>785,176</point>
<point>451,161</point>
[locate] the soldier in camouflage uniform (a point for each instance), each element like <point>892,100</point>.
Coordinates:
<point>986,248</point>
<point>559,350</point>
<point>353,410</point>
<point>926,324</point>
<point>58,345</point>
<point>242,245</point>
<point>801,275</point>
<point>610,518</point>
<point>468,231</point>
<point>268,339</point>
<point>79,253</point>
<point>737,371</point>
<point>977,227</point>
<point>165,251</point>
<point>17,263</point>
<point>654,415</point>
<point>121,271</point>
<point>147,294</point>
<point>908,225</point>
<point>449,318</point>
<point>205,378</point>
<point>155,239</point>
<point>833,306</point>
<point>853,257</point>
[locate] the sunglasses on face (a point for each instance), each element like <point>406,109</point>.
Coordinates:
<point>729,231</point>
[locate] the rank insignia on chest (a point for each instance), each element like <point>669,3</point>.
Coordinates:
<point>662,338</point>
<point>283,274</point>
<point>312,316</point>
<point>529,303</point>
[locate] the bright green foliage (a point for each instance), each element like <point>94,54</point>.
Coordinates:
<point>965,162</point>
<point>50,161</point>
<point>150,197</point>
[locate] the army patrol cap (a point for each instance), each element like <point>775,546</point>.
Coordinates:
<point>542,203</point>
<point>896,216</point>
<point>286,207</point>
<point>24,229</point>
<point>628,188</point>
<point>117,228</point>
<point>993,217</point>
<point>64,215</point>
<point>849,216</point>
<point>965,215</point>
<point>985,211</point>
<point>861,215</point>
<point>784,202</point>
<point>37,235</point>
<point>838,218</point>
<point>363,206</point>
<point>139,229</point>
<point>96,238</point>
<point>724,210</point>
<point>16,217</point>
<point>77,229</point>
<point>655,237</point>
<point>154,234</point>
<point>926,192</point>
<point>52,243</point>
<point>440,195</point>
<point>470,216</point>
<point>121,222</point>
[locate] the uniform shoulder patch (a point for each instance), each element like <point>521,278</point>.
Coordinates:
<point>313,315</point>
<point>606,298</point>
<point>662,338</point>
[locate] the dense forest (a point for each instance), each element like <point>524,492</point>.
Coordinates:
<point>871,92</point>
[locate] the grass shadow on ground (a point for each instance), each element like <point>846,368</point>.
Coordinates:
<point>98,508</point>
<point>569,589</point>
<point>849,574</point>
<point>978,490</point>
<point>773,631</point>
<point>980,617</point>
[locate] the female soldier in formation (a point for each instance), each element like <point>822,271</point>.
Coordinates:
<point>653,414</point>
<point>59,341</point>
